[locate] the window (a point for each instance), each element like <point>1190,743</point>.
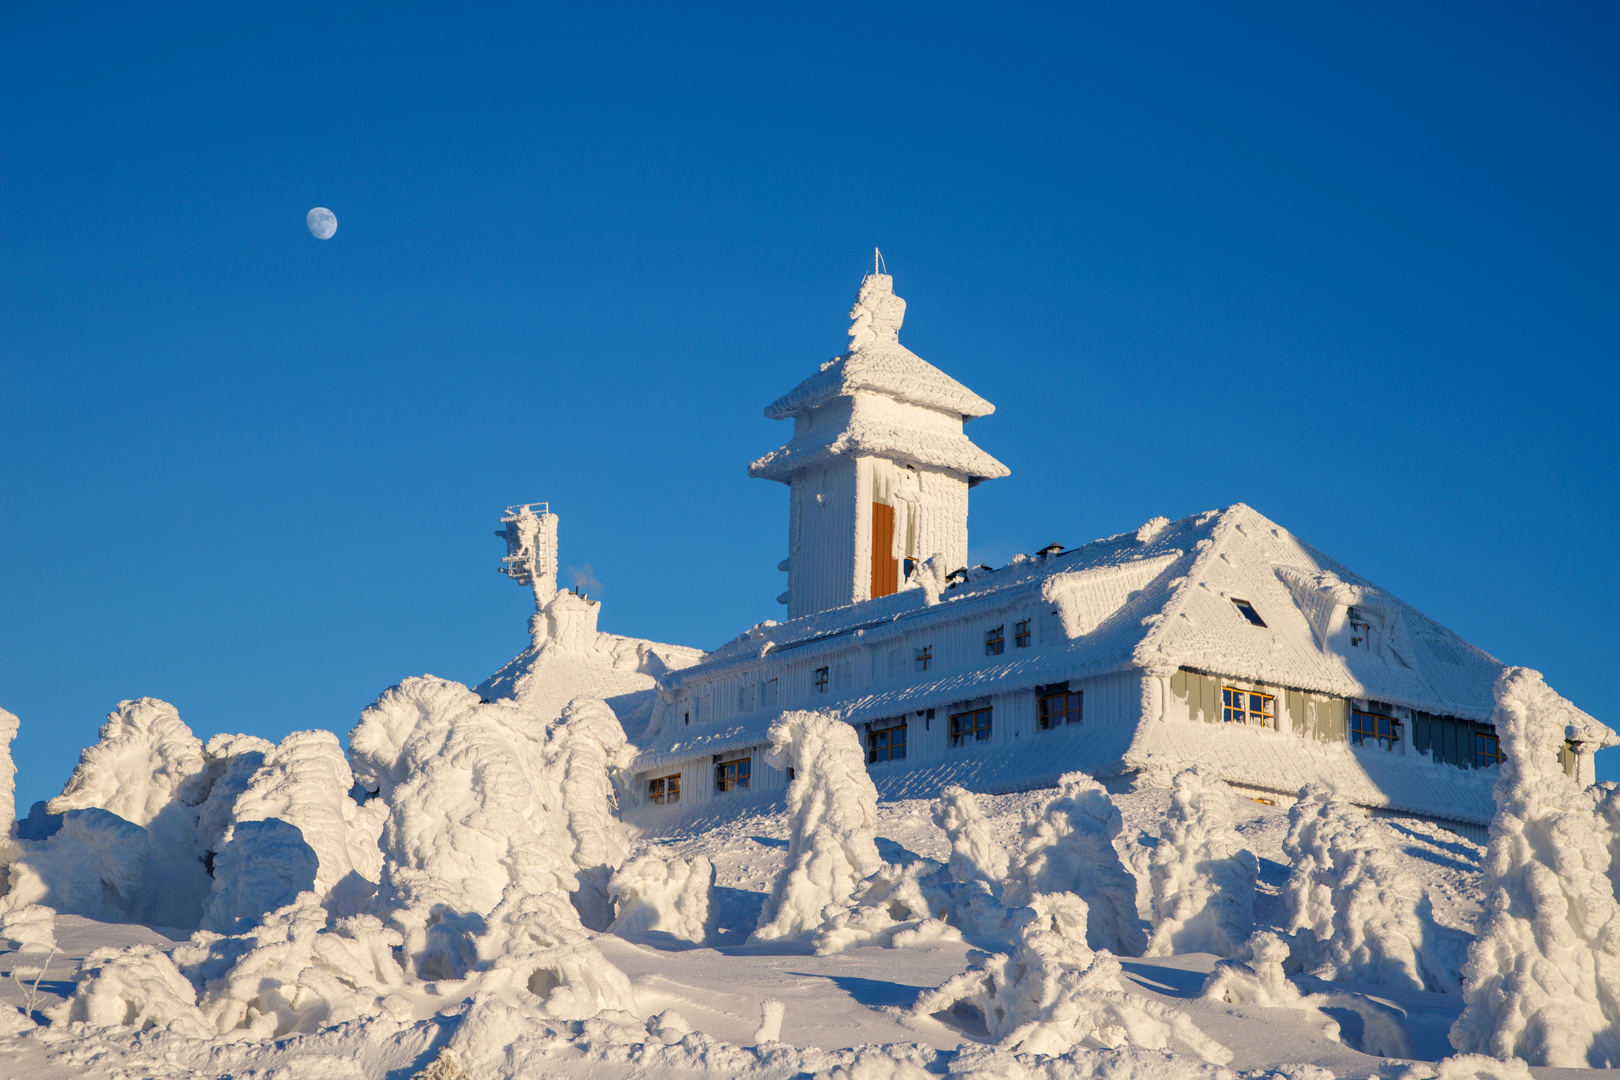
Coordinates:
<point>1059,706</point>
<point>886,744</point>
<point>1248,707</point>
<point>995,642</point>
<point>665,789</point>
<point>1021,634</point>
<point>1246,609</point>
<point>686,718</point>
<point>925,657</point>
<point>972,726</point>
<point>732,775</point>
<point>897,662</point>
<point>1487,750</point>
<point>821,680</point>
<point>747,697</point>
<point>1367,729</point>
<point>1360,631</point>
<point>770,692</point>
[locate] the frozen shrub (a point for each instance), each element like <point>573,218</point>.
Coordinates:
<point>1069,847</point>
<point>1052,994</point>
<point>232,762</point>
<point>264,866</point>
<point>305,781</point>
<point>529,948</point>
<point>893,909</point>
<point>1542,982</point>
<point>1202,876</point>
<point>287,975</point>
<point>975,854</point>
<point>671,896</point>
<point>149,769</point>
<point>1255,976</point>
<point>93,865</point>
<point>28,929</point>
<point>832,812</point>
<point>1368,915</point>
<point>136,987</point>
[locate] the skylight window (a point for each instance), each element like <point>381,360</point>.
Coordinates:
<point>1246,609</point>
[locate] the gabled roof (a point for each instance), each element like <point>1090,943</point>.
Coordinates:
<point>1157,599</point>
<point>877,362</point>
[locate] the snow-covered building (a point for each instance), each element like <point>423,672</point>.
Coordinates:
<point>1220,639</point>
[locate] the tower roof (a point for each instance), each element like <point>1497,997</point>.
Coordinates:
<point>876,361</point>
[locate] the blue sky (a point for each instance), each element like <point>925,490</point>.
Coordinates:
<point>1355,266</point>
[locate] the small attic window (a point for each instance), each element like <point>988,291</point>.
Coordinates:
<point>1246,609</point>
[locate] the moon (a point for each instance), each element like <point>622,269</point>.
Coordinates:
<point>322,223</point>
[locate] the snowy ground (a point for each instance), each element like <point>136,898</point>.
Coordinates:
<point>832,1003</point>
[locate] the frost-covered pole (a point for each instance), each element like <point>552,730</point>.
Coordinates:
<point>531,553</point>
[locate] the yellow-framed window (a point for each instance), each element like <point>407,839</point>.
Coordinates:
<point>1248,707</point>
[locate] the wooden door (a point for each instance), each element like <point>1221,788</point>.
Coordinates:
<point>885,567</point>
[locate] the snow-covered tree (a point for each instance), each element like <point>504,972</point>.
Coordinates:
<point>975,854</point>
<point>305,782</point>
<point>832,815</point>
<point>1542,980</point>
<point>1367,913</point>
<point>1201,874</point>
<point>1068,846</point>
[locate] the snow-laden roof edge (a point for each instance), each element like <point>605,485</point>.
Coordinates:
<point>946,450</point>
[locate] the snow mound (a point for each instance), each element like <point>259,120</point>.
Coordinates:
<point>1052,993</point>
<point>1469,1067</point>
<point>665,895</point>
<point>1257,978</point>
<point>1202,876</point>
<point>832,814</point>
<point>1069,847</point>
<point>1367,914</point>
<point>1542,982</point>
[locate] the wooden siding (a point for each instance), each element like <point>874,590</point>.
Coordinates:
<point>1308,715</point>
